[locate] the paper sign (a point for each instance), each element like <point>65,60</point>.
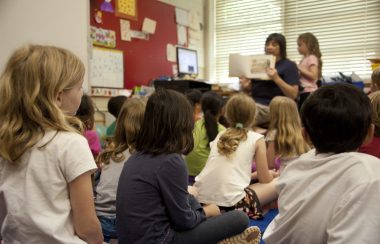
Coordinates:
<point>194,20</point>
<point>149,26</point>
<point>181,35</point>
<point>125,30</point>
<point>170,53</point>
<point>181,17</point>
<point>139,35</point>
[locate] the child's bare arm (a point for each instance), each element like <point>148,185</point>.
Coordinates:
<point>271,154</point>
<point>211,210</point>
<point>86,224</point>
<point>262,169</point>
<point>310,73</point>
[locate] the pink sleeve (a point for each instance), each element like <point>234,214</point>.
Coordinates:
<point>93,142</point>
<point>312,60</point>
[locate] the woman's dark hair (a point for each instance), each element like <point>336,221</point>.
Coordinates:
<point>212,104</point>
<point>280,40</point>
<point>86,112</point>
<point>115,104</point>
<point>336,118</point>
<point>168,124</point>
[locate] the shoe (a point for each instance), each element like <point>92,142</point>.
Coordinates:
<point>250,235</point>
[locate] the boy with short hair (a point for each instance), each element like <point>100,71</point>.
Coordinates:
<point>114,106</point>
<point>332,193</point>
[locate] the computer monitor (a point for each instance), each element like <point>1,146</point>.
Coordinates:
<point>187,61</point>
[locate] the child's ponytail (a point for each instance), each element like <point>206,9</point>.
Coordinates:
<point>229,141</point>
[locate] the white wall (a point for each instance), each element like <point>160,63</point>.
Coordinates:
<point>62,23</point>
<point>197,6</point>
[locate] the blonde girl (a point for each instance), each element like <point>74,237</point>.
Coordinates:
<point>310,67</point>
<point>45,163</point>
<point>128,125</point>
<point>284,138</point>
<point>372,148</point>
<point>225,180</point>
<point>375,80</point>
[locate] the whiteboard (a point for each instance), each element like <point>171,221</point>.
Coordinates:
<point>107,69</point>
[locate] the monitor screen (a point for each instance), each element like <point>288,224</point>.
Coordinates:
<point>187,61</point>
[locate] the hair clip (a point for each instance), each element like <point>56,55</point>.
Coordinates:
<point>239,125</point>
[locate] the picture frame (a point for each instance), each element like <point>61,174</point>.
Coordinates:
<point>126,9</point>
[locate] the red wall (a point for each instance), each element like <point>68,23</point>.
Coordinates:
<point>144,60</point>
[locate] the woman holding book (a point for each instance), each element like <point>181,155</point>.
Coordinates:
<point>284,79</point>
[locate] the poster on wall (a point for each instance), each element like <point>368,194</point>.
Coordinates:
<point>125,30</point>
<point>103,37</point>
<point>126,9</point>
<point>107,68</point>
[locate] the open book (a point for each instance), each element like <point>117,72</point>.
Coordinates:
<point>251,66</point>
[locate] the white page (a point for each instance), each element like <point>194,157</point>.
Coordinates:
<point>250,66</point>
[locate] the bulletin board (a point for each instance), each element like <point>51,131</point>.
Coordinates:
<point>107,68</point>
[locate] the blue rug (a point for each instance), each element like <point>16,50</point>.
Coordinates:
<point>263,223</point>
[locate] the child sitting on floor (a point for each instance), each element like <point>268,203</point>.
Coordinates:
<point>284,137</point>
<point>153,203</point>
<point>373,148</point>
<point>112,160</point>
<point>45,163</point>
<point>86,113</point>
<point>331,194</point>
<point>225,180</point>
<point>375,80</point>
<point>205,131</point>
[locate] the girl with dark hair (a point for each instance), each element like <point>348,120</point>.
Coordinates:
<point>205,131</point>
<point>153,204</point>
<point>284,79</point>
<point>86,113</point>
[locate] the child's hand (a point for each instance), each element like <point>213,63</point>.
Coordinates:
<point>192,190</point>
<point>211,210</point>
<point>274,173</point>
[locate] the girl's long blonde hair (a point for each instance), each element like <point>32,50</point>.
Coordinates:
<point>128,126</point>
<point>375,103</point>
<point>29,87</point>
<point>285,119</point>
<point>240,113</point>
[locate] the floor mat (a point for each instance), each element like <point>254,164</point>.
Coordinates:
<point>263,223</point>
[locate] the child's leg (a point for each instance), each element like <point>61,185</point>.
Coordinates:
<point>214,229</point>
<point>265,192</point>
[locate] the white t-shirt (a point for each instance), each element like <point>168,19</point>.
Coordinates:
<point>223,179</point>
<point>34,194</point>
<point>105,202</point>
<point>328,198</point>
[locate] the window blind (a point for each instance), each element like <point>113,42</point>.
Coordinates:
<point>348,32</point>
<point>241,26</point>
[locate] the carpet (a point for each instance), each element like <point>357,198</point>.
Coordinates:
<point>263,223</point>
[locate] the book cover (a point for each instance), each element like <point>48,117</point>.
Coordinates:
<point>250,66</point>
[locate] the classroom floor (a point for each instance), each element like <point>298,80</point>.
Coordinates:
<point>263,223</point>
